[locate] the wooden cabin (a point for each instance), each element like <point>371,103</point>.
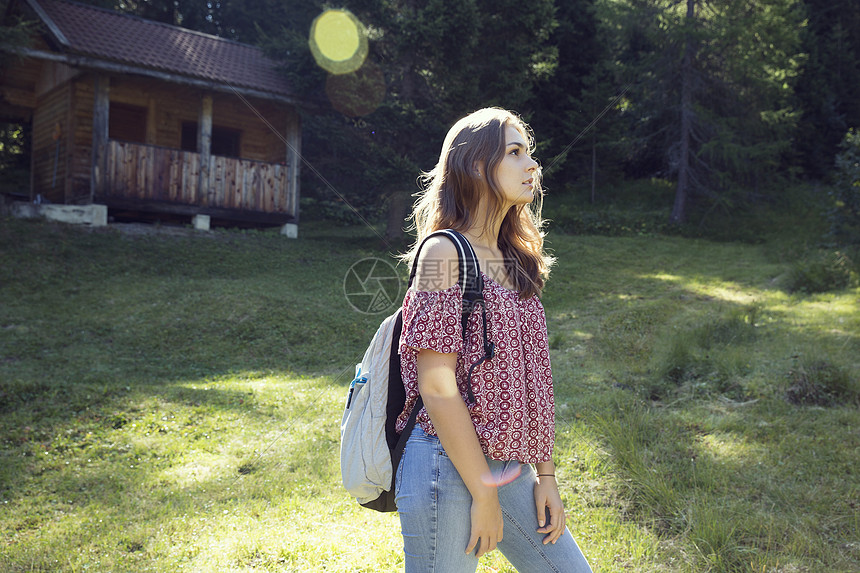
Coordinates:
<point>149,118</point>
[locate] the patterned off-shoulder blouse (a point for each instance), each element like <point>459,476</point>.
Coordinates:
<point>514,409</point>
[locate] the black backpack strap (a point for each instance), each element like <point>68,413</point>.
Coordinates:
<point>472,287</point>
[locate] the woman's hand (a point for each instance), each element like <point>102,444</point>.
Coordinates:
<point>486,522</point>
<point>547,497</point>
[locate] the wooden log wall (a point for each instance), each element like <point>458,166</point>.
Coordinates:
<point>18,87</point>
<point>172,105</point>
<point>81,143</point>
<point>51,156</point>
<point>148,173</point>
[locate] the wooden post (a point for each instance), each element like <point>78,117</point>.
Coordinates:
<point>101,129</point>
<point>204,148</point>
<point>294,162</point>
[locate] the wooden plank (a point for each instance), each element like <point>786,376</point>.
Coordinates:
<point>220,181</point>
<point>142,161</point>
<point>114,178</point>
<point>159,165</point>
<point>192,194</point>
<point>131,169</point>
<point>248,189</point>
<point>269,193</point>
<point>255,190</point>
<point>175,179</point>
<point>139,166</point>
<point>123,174</point>
<point>236,191</point>
<point>115,185</point>
<point>186,191</point>
<point>163,174</point>
<point>113,175</point>
<point>277,190</point>
<point>264,188</point>
<point>243,185</point>
<point>233,181</point>
<point>149,183</point>
<point>230,183</point>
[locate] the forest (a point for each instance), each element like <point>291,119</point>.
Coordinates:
<point>720,104</point>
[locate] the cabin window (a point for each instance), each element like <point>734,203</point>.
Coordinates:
<point>225,141</point>
<point>127,122</point>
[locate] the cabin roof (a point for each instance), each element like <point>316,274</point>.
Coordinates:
<point>111,36</point>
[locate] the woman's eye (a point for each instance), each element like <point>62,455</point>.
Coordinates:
<point>515,152</point>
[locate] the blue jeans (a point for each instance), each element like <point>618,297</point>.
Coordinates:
<point>435,505</point>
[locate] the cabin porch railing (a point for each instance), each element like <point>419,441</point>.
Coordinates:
<point>148,173</point>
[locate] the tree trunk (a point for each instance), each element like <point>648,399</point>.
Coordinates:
<point>593,167</point>
<point>679,208</point>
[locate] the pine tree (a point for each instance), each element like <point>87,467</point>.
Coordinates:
<point>712,93</point>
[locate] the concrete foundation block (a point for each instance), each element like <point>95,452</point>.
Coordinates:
<point>95,215</point>
<point>99,215</point>
<point>291,230</point>
<point>72,214</point>
<point>201,222</point>
<point>24,210</point>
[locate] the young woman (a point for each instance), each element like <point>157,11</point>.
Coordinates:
<point>479,476</point>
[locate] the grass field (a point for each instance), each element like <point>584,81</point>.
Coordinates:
<point>170,401</point>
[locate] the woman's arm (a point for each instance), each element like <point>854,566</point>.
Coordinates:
<point>450,416</point>
<point>437,383</point>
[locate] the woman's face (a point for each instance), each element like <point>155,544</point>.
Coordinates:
<point>515,173</point>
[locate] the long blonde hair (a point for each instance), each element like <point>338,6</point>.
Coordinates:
<point>451,193</point>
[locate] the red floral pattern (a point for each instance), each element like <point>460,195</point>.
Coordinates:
<point>514,410</point>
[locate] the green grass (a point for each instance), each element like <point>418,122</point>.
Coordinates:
<point>171,401</point>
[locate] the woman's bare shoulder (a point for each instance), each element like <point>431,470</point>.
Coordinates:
<point>438,268</point>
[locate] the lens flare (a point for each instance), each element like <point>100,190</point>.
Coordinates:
<point>338,42</point>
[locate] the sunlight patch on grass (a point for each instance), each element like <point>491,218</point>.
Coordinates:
<point>664,277</point>
<point>202,468</point>
<point>724,290</point>
<point>727,449</point>
<point>825,311</point>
